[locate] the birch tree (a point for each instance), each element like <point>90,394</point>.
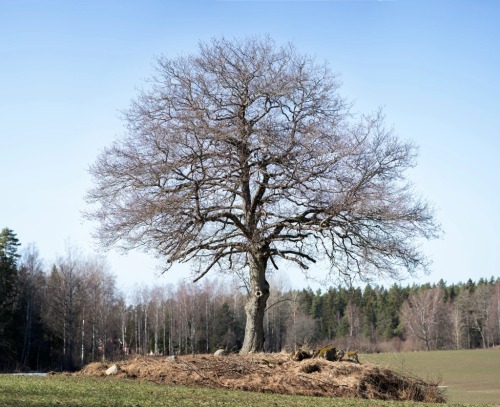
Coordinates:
<point>422,314</point>
<point>481,301</point>
<point>244,156</point>
<point>64,283</point>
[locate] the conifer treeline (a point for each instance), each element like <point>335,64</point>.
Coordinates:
<point>72,313</point>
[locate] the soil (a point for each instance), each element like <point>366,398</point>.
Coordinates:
<point>275,373</point>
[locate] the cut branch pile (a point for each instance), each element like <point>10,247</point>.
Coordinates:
<point>276,373</point>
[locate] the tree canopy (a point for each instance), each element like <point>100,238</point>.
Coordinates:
<point>245,155</point>
<point>8,246</point>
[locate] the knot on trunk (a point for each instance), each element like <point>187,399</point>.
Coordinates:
<point>258,294</point>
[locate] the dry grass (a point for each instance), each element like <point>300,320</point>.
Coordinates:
<point>276,373</point>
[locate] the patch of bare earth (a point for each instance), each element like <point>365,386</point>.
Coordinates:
<point>275,373</point>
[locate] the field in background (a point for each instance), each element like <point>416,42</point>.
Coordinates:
<point>471,376</point>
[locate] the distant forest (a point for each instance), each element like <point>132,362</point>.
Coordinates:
<point>71,313</point>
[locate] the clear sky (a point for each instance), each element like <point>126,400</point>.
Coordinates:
<point>68,67</point>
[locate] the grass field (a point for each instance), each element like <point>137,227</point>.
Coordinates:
<point>471,376</point>
<point>74,391</point>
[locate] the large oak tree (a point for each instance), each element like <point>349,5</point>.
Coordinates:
<point>243,156</point>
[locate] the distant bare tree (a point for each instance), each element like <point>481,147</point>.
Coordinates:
<point>63,288</point>
<point>495,313</point>
<point>245,155</point>
<point>353,316</point>
<point>481,307</point>
<point>31,286</point>
<point>422,313</point>
<point>98,293</point>
<point>456,320</point>
<point>302,328</point>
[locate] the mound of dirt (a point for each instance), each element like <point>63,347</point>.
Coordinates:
<point>275,373</point>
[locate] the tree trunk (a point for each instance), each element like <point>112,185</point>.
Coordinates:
<point>82,355</point>
<point>27,336</point>
<point>255,306</point>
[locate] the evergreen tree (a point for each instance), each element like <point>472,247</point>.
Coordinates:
<point>228,332</point>
<point>331,313</point>
<point>8,297</point>
<point>384,315</point>
<point>369,308</point>
<point>305,299</point>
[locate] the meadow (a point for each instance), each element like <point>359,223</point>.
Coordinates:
<point>472,379</point>
<point>61,390</point>
<point>470,376</point>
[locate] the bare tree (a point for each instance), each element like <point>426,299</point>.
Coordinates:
<point>31,283</point>
<point>353,316</point>
<point>64,285</point>
<point>495,313</point>
<point>245,155</point>
<point>457,326</point>
<point>98,295</point>
<point>422,314</point>
<point>481,302</point>
<point>301,329</point>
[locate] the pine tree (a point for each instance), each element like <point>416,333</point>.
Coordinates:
<point>8,296</point>
<point>370,313</point>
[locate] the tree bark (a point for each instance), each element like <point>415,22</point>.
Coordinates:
<point>256,305</point>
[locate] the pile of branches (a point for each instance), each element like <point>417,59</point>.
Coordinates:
<point>276,373</point>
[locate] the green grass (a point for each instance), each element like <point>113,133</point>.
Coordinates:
<point>62,390</point>
<point>471,376</point>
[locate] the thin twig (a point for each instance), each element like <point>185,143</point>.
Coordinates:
<point>322,381</point>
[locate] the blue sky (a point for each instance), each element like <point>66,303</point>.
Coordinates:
<point>67,69</point>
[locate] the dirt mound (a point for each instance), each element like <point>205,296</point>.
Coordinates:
<point>275,373</point>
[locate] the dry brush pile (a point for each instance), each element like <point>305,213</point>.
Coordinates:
<point>275,373</point>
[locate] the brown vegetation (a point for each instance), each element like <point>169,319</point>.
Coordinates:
<point>275,373</point>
